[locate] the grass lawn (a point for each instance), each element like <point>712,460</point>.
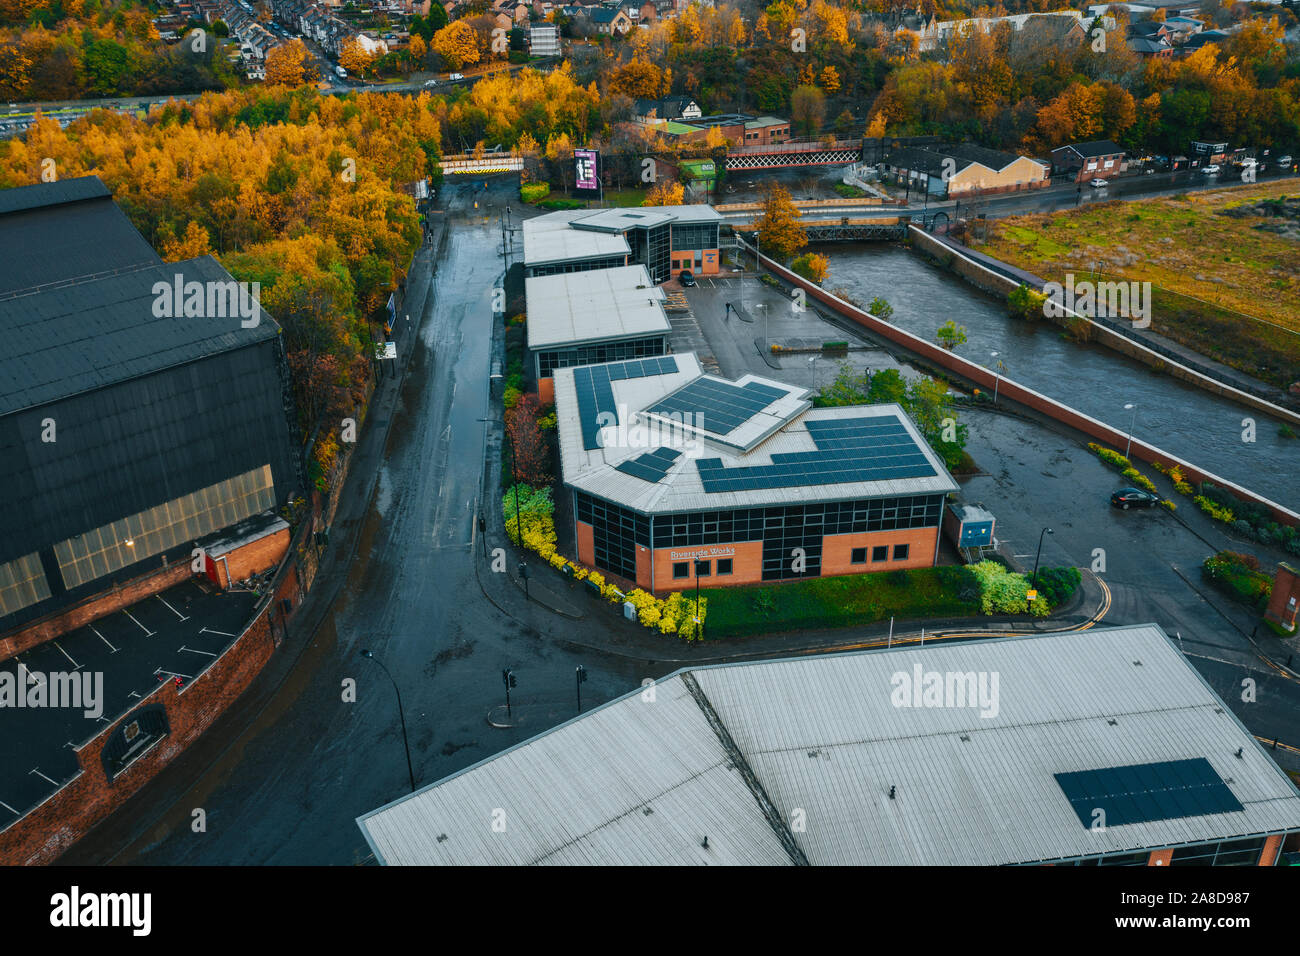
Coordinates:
<point>841,601</point>
<point>1212,273</point>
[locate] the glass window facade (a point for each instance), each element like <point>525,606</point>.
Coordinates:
<point>781,529</point>
<point>548,361</point>
<point>103,550</point>
<point>22,583</point>
<point>695,236</point>
<point>583,265</point>
<point>650,248</point>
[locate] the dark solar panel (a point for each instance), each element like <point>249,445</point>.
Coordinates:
<point>651,466</point>
<point>596,395</point>
<point>848,450</point>
<point>720,406</point>
<point>1150,791</point>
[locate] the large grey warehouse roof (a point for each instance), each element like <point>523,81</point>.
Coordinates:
<point>731,752</point>
<point>74,336</point>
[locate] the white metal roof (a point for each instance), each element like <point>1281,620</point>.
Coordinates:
<point>822,735</point>
<point>780,429</point>
<point>551,239</point>
<point>594,306</point>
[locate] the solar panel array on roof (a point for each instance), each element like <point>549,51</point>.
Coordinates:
<point>721,406</point>
<point>1147,791</point>
<point>848,450</point>
<point>651,466</point>
<point>596,396</point>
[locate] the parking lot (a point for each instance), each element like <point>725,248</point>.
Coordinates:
<point>175,634</point>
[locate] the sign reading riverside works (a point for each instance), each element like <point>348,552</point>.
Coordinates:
<point>586,171</point>
<point>715,551</point>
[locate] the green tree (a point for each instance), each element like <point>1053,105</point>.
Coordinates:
<point>951,335</point>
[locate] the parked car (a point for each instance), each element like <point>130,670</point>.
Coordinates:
<point>687,278</point>
<point>429,83</point>
<point>1284,161</point>
<point>453,77</point>
<point>1211,170</point>
<point>1097,183</point>
<point>1127,498</point>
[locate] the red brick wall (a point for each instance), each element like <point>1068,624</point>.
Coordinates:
<point>1271,848</point>
<point>93,608</point>
<point>1160,857</point>
<point>643,563</point>
<point>546,390</point>
<point>1013,391</point>
<point>586,544</point>
<point>254,557</point>
<point>837,550</point>
<point>48,830</point>
<point>746,564</point>
<point>1286,586</point>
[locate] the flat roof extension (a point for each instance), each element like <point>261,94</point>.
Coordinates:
<point>596,306</point>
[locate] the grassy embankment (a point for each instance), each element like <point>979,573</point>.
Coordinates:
<point>1213,276</point>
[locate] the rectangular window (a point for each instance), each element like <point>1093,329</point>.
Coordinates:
<point>22,582</point>
<point>859,556</point>
<point>900,551</point>
<point>681,569</point>
<point>702,568</point>
<point>724,566</point>
<point>101,551</point>
<point>880,552</point>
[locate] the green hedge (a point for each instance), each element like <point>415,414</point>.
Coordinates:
<point>1238,576</point>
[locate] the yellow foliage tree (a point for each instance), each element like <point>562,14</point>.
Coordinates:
<point>665,194</point>
<point>457,44</point>
<point>780,232</point>
<point>354,57</point>
<point>289,64</point>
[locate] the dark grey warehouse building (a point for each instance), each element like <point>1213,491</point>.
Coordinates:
<point>126,435</point>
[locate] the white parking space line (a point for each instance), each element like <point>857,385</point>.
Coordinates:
<point>172,609</point>
<point>36,770</point>
<point>193,650</point>
<point>105,640</point>
<point>147,632</point>
<point>27,670</point>
<point>75,665</point>
<point>208,630</point>
<point>9,808</point>
<point>174,674</point>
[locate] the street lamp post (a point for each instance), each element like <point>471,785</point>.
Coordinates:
<point>1131,406</point>
<point>1033,583</point>
<point>400,713</point>
<point>580,677</point>
<point>998,377</point>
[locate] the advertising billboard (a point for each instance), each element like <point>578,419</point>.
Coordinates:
<point>586,172</point>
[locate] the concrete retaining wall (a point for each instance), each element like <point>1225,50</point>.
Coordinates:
<point>1007,388</point>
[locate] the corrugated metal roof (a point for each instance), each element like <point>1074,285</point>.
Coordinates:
<point>551,238</point>
<point>823,735</point>
<point>84,334</point>
<point>594,306</point>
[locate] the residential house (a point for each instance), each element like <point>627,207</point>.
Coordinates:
<point>954,170</point>
<point>668,108</point>
<point>1100,159</point>
<point>1155,46</point>
<point>608,22</point>
<point>1202,38</point>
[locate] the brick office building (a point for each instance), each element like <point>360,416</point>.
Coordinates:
<point>126,437</point>
<point>676,475</point>
<point>585,318</point>
<point>664,239</point>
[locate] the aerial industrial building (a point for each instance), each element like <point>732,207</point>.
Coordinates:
<point>677,475</point>
<point>1091,748</point>
<point>665,239</point>
<point>128,432</point>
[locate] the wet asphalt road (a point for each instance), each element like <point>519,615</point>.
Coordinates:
<point>289,790</point>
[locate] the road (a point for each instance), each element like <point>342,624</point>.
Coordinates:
<point>289,789</point>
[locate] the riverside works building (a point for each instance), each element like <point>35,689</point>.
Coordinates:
<point>126,437</point>
<point>677,476</point>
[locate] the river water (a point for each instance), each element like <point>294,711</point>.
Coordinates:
<point>1195,425</point>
